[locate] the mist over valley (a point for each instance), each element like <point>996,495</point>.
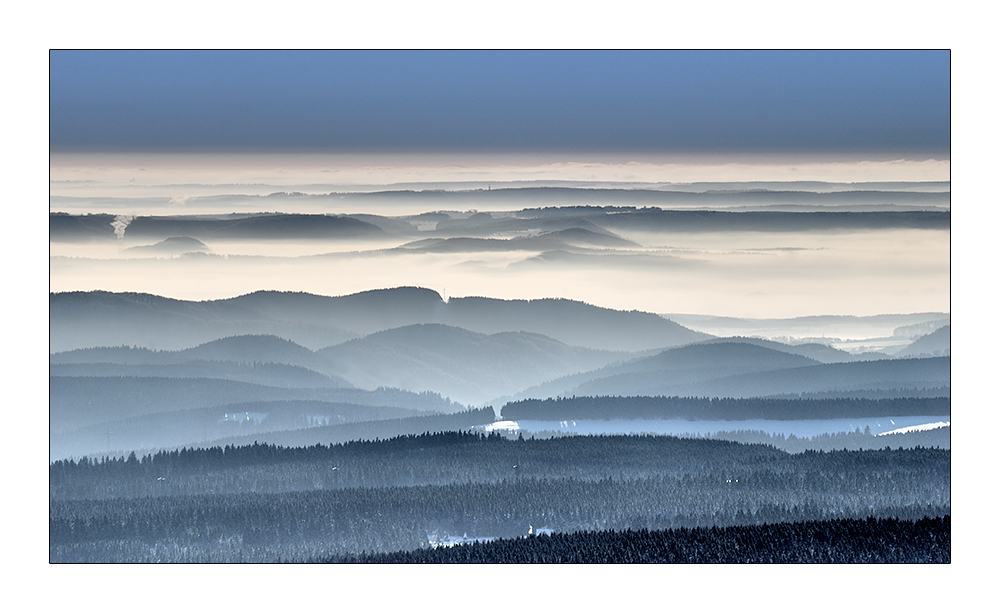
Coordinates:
<point>646,258</point>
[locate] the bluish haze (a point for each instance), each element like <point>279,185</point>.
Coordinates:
<point>875,102</point>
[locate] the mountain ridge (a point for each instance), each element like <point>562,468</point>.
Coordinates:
<point>100,318</point>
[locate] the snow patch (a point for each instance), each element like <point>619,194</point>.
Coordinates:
<point>920,428</point>
<point>450,541</point>
<point>509,426</point>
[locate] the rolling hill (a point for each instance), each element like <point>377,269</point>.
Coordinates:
<point>77,402</point>
<point>200,426</point>
<point>469,367</point>
<point>260,359</point>
<point>748,368</point>
<point>815,351</point>
<point>937,343</point>
<point>671,368</point>
<point>92,319</point>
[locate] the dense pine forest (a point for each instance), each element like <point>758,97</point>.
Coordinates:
<point>674,407</point>
<point>263,503</point>
<point>881,541</point>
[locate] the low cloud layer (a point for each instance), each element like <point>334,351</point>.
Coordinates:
<point>745,274</point>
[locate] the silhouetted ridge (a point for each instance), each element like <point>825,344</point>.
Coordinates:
<point>718,354</point>
<point>660,374</point>
<point>251,348</point>
<point>936,343</point>
<point>813,351</point>
<point>89,319</point>
<point>570,321</point>
<point>172,245</point>
<point>81,228</point>
<point>260,226</point>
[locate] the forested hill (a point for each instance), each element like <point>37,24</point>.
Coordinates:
<point>839,541</point>
<point>76,402</point>
<point>675,407</point>
<point>666,375</point>
<point>439,458</point>
<point>448,457</point>
<point>264,503</point>
<point>468,367</point>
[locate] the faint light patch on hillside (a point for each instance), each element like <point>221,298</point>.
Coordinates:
<point>243,417</point>
<point>313,421</point>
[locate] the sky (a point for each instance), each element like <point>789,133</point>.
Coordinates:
<point>296,119</point>
<point>881,104</point>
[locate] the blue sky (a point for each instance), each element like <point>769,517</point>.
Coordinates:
<point>880,102</point>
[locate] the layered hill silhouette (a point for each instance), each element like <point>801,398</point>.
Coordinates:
<point>901,378</point>
<point>257,348</point>
<point>466,366</point>
<point>587,221</point>
<point>91,319</point>
<point>598,198</point>
<point>652,376</point>
<point>560,239</point>
<point>89,414</point>
<point>94,319</point>
<point>937,343</point>
<point>259,359</point>
<point>772,221</point>
<point>368,430</point>
<point>268,374</point>
<point>829,327</point>
<point>64,227</point>
<point>201,425</point>
<point>174,245</point>
<point>469,367</point>
<point>91,388</point>
<point>815,351</point>
<point>262,226</point>
<point>571,322</point>
<point>738,368</point>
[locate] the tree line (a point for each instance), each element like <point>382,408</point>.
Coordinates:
<point>676,407</point>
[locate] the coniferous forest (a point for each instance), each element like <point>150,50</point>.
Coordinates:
<point>841,541</point>
<point>263,503</point>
